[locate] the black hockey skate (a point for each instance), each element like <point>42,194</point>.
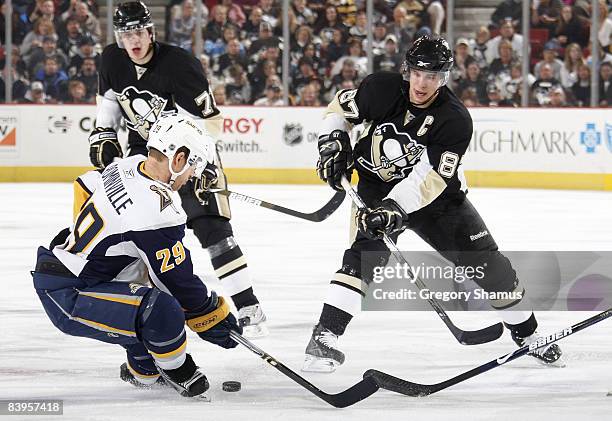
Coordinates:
<point>549,355</point>
<point>187,379</point>
<point>322,354</point>
<point>126,375</point>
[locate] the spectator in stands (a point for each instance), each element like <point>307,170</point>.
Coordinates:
<point>266,39</point>
<point>17,63</point>
<point>543,84</point>
<point>88,74</point>
<point>218,47</point>
<point>435,11</point>
<point>311,52</point>
<point>379,37</point>
<point>53,78</point>
<point>462,57</point>
<point>214,28</point>
<point>605,27</point>
<point>20,85</point>
<point>335,49</point>
<point>20,28</point>
<point>569,70</point>
<point>360,29</point>
<point>400,28</point>
<point>308,97</point>
<point>506,33</point>
<point>511,87</point>
<point>550,56</point>
<point>219,94</point>
<point>36,94</point>
<point>545,15</point>
<point>416,15</point>
<point>303,14</point>
<point>34,39</point>
<point>302,38</point>
<point>86,50</point>
<point>263,70</point>
<point>45,9</point>
<point>571,28</point>
<point>508,10</point>
<point>271,12</point>
<point>70,36</point>
<point>479,46</point>
<point>604,57</point>
<point>88,22</point>
<point>557,98</point>
<point>582,88</point>
<point>250,29</point>
<point>347,72</point>
<point>77,93</point>
<point>233,56</point>
<point>304,75</point>
<point>504,62</point>
<point>347,11</point>
<point>49,49</point>
<point>273,97</point>
<point>182,25</point>
<point>235,14</point>
<point>237,87</point>
<point>391,59</point>
<point>356,54</point>
<point>494,98</point>
<point>605,85</point>
<point>68,7</point>
<point>474,81</point>
<point>327,24</point>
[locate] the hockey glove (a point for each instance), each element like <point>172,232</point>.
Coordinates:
<point>335,158</point>
<point>214,322</point>
<point>104,147</point>
<point>388,218</point>
<point>202,185</point>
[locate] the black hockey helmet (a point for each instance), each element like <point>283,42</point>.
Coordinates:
<point>130,16</point>
<point>429,54</point>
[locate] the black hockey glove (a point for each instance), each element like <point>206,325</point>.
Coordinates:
<point>214,322</point>
<point>103,147</point>
<point>335,158</point>
<point>202,185</point>
<point>387,218</point>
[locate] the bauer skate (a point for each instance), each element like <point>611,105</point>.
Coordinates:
<point>322,353</point>
<point>550,355</point>
<point>253,321</point>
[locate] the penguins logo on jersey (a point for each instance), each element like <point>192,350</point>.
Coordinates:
<point>393,153</point>
<point>142,108</point>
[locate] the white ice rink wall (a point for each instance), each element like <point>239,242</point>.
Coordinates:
<point>543,148</point>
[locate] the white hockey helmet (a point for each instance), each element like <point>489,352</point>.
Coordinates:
<point>173,131</point>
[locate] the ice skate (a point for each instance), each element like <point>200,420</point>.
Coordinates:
<point>550,355</point>
<point>252,319</point>
<point>187,379</point>
<point>139,380</point>
<point>322,354</point>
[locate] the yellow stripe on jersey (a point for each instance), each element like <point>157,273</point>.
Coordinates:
<point>81,195</point>
<point>104,328</point>
<point>177,351</point>
<point>134,301</point>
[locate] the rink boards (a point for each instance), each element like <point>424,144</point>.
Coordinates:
<point>534,147</point>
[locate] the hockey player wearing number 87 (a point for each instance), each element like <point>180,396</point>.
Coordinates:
<point>142,79</point>
<point>410,176</point>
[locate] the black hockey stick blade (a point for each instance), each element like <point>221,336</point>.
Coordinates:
<point>358,392</point>
<point>408,388</point>
<point>465,337</point>
<point>316,216</point>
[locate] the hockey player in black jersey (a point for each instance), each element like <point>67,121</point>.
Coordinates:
<point>142,79</point>
<point>408,159</point>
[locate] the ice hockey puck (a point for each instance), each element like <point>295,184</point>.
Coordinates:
<point>231,386</point>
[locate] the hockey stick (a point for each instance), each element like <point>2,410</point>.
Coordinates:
<point>394,384</point>
<point>316,216</point>
<point>465,337</point>
<point>350,396</point>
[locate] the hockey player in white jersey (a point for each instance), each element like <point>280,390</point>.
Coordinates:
<point>123,275</point>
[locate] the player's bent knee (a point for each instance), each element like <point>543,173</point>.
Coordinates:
<point>211,230</point>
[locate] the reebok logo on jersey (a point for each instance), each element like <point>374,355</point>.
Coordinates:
<point>479,235</point>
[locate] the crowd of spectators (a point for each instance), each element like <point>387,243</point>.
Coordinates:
<point>55,53</point>
<point>57,45</point>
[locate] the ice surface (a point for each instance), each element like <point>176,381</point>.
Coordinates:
<point>292,261</point>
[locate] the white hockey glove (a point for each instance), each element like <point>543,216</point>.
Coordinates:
<point>104,147</point>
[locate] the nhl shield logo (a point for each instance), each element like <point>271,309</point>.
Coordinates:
<point>292,134</point>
